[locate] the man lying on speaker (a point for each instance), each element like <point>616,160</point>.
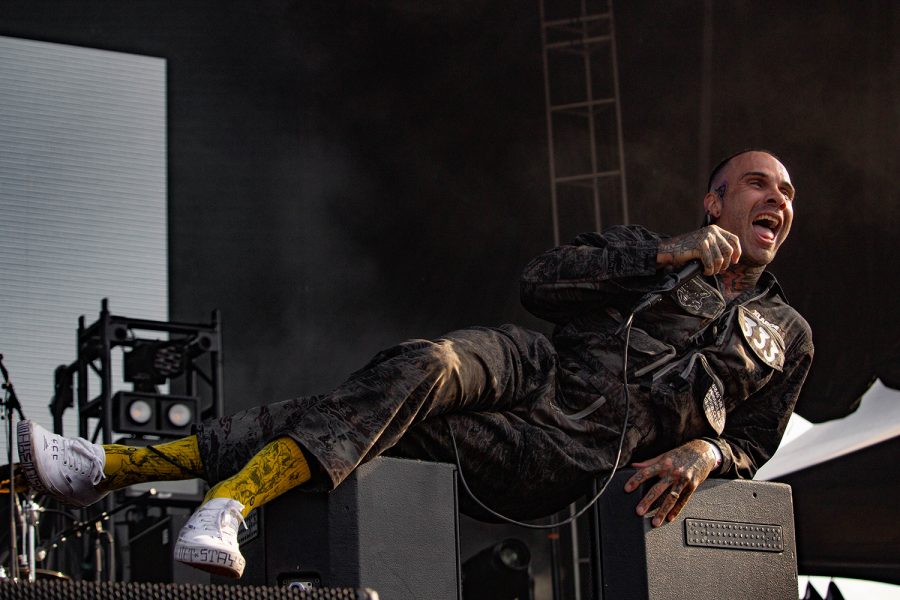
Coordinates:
<point>713,371</point>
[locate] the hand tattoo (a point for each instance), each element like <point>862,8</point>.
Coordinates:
<point>715,247</point>
<point>680,472</point>
<point>683,243</point>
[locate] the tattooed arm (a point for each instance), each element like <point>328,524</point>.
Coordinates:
<point>578,276</point>
<point>715,247</point>
<point>573,277</point>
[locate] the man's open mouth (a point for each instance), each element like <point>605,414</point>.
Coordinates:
<point>767,226</point>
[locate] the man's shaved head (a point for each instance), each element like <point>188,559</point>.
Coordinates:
<point>717,170</point>
<point>751,195</point>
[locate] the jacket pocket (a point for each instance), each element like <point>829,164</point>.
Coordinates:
<point>646,353</point>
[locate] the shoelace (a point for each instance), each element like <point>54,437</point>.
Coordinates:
<point>220,518</point>
<point>78,454</point>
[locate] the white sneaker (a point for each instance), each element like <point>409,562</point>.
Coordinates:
<point>65,468</point>
<point>208,541</point>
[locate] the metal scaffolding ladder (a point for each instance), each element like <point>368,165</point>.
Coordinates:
<point>587,182</point>
<point>584,117</point>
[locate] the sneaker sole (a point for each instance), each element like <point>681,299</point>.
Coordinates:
<point>211,560</point>
<point>25,436</point>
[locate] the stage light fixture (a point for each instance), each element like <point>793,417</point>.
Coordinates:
<point>499,572</point>
<point>140,412</point>
<point>134,412</point>
<point>148,364</point>
<point>179,415</point>
<point>152,363</point>
<point>143,413</point>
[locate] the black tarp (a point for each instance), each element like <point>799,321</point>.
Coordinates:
<point>845,515</point>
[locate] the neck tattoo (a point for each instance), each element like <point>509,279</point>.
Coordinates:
<point>738,279</point>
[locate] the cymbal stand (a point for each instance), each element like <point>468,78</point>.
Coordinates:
<point>32,516</point>
<point>10,404</point>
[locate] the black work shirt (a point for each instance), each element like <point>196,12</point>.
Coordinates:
<point>698,366</point>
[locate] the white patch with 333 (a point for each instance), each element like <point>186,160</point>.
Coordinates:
<point>763,337</point>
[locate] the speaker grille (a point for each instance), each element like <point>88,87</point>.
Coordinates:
<point>83,590</point>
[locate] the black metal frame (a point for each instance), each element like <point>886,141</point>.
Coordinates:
<point>95,345</point>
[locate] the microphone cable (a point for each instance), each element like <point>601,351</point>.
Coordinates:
<point>596,497</point>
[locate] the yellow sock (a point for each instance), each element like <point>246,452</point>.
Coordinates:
<point>275,469</point>
<point>127,465</point>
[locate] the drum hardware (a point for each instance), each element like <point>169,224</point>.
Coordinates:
<point>24,516</point>
<point>11,404</point>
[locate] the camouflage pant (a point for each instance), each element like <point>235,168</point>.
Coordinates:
<point>494,388</point>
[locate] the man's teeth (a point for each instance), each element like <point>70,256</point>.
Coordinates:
<point>766,221</point>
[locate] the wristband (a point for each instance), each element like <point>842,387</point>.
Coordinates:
<point>718,452</point>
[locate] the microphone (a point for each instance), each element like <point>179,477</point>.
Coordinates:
<point>676,279</point>
<point>683,275</point>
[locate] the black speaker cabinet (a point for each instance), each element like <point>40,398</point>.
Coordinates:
<point>150,546</point>
<point>390,527</point>
<point>734,539</point>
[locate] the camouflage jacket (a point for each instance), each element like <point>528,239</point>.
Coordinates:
<point>698,366</point>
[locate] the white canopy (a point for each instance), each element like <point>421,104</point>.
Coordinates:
<point>876,420</point>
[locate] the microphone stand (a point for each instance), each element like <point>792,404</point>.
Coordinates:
<point>31,510</point>
<point>10,404</point>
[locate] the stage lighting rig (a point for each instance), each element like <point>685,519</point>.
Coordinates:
<point>190,361</point>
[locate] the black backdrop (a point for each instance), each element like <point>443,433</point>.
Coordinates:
<point>344,175</point>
